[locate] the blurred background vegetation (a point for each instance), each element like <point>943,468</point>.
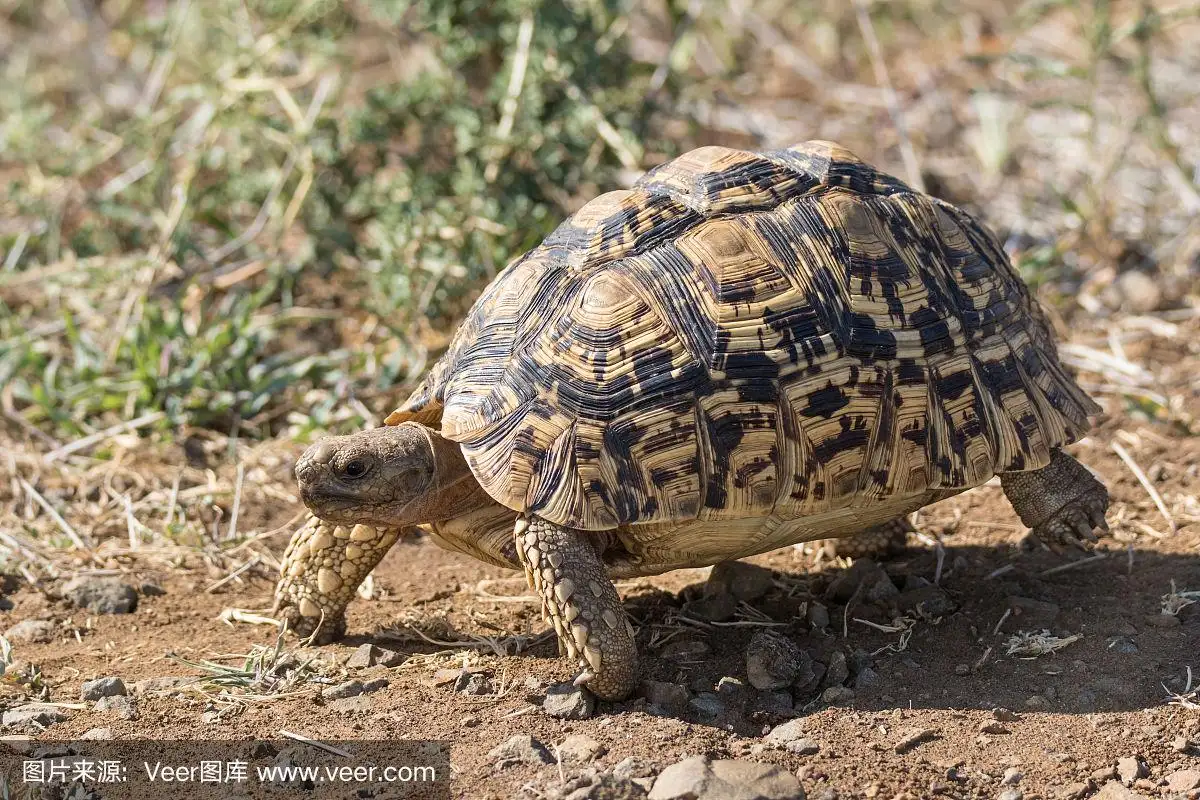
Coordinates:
<point>265,217</point>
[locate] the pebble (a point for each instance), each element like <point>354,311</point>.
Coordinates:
<point>594,785</point>
<point>742,581</point>
<point>469,721</point>
<point>1180,744</point>
<point>567,701</point>
<point>928,601</point>
<point>1073,790</point>
<point>1114,790</point>
<point>1183,780</point>
<point>844,586</point>
<point>1011,794</point>
<point>96,735</point>
<point>775,662</point>
<point>1138,292</point>
<point>350,705</point>
<point>32,631</point>
<point>1012,776</point>
<point>881,589</point>
<point>714,608</point>
<point>520,748</point>
<point>1103,774</point>
<point>1004,715</point>
<point>672,698</point>
<point>579,749</point>
<point>36,713</point>
<point>866,677</point>
<point>697,778</point>
<point>101,595</point>
<point>1129,769</point>
<point>837,671</point>
<point>347,689</point>
<point>475,684</point>
<point>777,704</point>
<point>119,704</point>
<point>368,655</point>
<point>687,650</point>
<point>787,732</point>
<point>962,669</point>
<point>836,694</point>
<point>632,767</point>
<point>803,747</point>
<point>149,589</point>
<point>912,738</point>
<point>102,687</point>
<point>817,615</point>
<point>1123,645</point>
<point>1162,620</point>
<point>707,706</point>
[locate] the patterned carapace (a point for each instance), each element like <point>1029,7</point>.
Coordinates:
<point>780,334</point>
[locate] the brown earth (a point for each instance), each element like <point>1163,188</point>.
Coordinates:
<point>1101,698</point>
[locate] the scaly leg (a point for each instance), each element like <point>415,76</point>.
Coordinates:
<point>1061,502</point>
<point>322,568</point>
<point>582,604</point>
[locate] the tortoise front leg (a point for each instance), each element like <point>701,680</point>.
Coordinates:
<point>322,568</point>
<point>1061,502</point>
<point>582,604</point>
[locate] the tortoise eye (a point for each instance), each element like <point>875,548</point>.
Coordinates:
<point>355,469</point>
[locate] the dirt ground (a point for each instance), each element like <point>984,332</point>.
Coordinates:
<point>1118,689</point>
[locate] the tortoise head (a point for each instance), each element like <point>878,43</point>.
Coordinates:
<point>382,476</point>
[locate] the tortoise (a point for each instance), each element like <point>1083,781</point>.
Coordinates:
<point>743,351</point>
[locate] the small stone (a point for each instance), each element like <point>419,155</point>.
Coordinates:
<point>836,694</point>
<point>151,590</point>
<point>96,735</point>
<point>1011,794</point>
<point>520,748</point>
<point>837,671</point>
<point>742,581</point>
<point>102,687</point>
<point>697,778</point>
<point>1103,774</point>
<point>707,706</point>
<point>1074,790</point>
<point>1114,790</point>
<point>787,732</point>
<point>369,655</point>
<point>803,747</point>
<point>714,608</point>
<point>1162,620</point>
<point>101,595</point>
<point>1001,714</point>
<point>1030,614</point>
<point>992,727</point>
<point>35,714</point>
<point>686,650</point>
<point>32,631</point>
<point>1129,769</point>
<point>912,738</point>
<point>1183,780</point>
<point>1123,645</point>
<point>1035,701</point>
<point>1136,291</point>
<point>347,689</point>
<point>881,589</point>
<point>119,704</point>
<point>1180,744</point>
<point>579,749</point>
<point>469,721</point>
<point>592,785</point>
<point>930,602</point>
<point>374,685</point>
<point>775,704</point>
<point>844,586</point>
<point>631,767</point>
<point>962,669</point>
<point>866,678</point>
<point>567,701</point>
<point>1012,776</point>
<point>775,662</point>
<point>817,615</point>
<point>356,704</point>
<point>476,684</point>
<point>670,697</point>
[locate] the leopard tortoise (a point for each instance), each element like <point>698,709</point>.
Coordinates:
<point>741,352</point>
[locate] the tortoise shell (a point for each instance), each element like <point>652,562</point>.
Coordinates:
<point>786,334</point>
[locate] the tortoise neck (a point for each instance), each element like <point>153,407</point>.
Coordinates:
<point>456,492</point>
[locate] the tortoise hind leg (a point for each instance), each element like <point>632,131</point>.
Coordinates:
<point>1061,502</point>
<point>878,542</point>
<point>578,598</point>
